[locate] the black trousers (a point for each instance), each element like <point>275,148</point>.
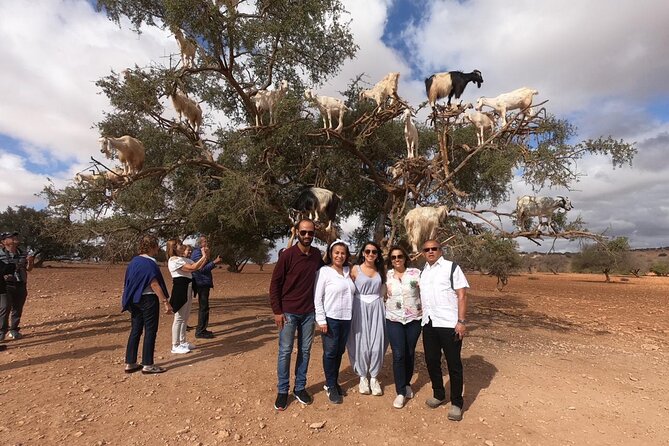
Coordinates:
<point>11,306</point>
<point>203,311</point>
<point>436,340</point>
<point>144,316</point>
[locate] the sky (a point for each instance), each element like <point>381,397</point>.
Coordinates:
<point>603,65</point>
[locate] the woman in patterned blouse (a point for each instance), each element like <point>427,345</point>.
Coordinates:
<point>403,320</point>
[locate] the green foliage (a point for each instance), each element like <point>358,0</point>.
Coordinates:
<point>495,256</point>
<point>606,257</point>
<point>34,228</point>
<point>660,268</point>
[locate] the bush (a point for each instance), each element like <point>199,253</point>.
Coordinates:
<point>660,268</point>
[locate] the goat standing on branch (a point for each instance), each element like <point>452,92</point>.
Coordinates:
<point>329,107</point>
<point>449,84</point>
<point>130,152</point>
<point>267,100</point>
<point>410,134</point>
<point>530,206</point>
<point>187,107</point>
<point>421,224</point>
<point>187,47</point>
<point>519,99</point>
<point>482,121</point>
<point>384,89</point>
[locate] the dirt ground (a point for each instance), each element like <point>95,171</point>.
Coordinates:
<point>551,360</point>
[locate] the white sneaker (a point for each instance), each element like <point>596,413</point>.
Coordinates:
<point>363,387</point>
<point>408,392</point>
<point>180,350</point>
<point>376,387</point>
<point>188,345</point>
<point>399,402</point>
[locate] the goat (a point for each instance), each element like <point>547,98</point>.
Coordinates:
<point>530,206</point>
<point>482,121</point>
<point>421,224</point>
<point>187,47</point>
<point>451,83</point>
<point>188,108</point>
<point>410,134</point>
<point>520,98</point>
<point>384,89</point>
<point>314,203</point>
<point>266,100</point>
<point>130,152</point>
<point>329,107</point>
<point>113,176</point>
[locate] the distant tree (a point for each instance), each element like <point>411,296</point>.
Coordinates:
<point>260,256</point>
<point>34,228</point>
<point>606,257</point>
<point>660,268</point>
<point>490,255</point>
<point>555,263</point>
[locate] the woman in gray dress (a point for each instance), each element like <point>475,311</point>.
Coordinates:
<point>366,342</point>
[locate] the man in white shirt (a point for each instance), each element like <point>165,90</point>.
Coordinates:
<point>443,297</point>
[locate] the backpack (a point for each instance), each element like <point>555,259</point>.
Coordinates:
<point>453,266</point>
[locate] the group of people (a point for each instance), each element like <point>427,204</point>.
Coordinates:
<point>144,290</point>
<point>14,267</point>
<point>362,308</point>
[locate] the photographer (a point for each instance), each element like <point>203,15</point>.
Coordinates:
<point>202,285</point>
<point>15,265</point>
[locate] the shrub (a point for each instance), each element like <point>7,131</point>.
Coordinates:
<point>660,268</point>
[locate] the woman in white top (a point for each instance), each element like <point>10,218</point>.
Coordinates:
<point>333,299</point>
<point>181,267</point>
<point>403,320</point>
<point>367,345</point>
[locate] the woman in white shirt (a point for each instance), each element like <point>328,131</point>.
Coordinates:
<point>333,299</point>
<point>403,320</point>
<point>181,267</point>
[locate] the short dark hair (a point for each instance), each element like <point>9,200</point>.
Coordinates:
<point>407,259</point>
<point>328,254</point>
<point>297,225</point>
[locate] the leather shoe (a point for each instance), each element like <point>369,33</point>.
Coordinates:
<point>205,335</point>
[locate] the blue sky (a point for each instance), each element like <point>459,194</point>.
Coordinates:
<point>604,68</point>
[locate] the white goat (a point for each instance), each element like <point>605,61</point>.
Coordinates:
<point>130,152</point>
<point>266,100</point>
<point>520,99</point>
<point>329,107</point>
<point>189,108</point>
<point>482,121</point>
<point>187,47</point>
<point>410,134</point>
<point>530,206</point>
<point>421,224</point>
<point>112,176</point>
<point>385,88</point>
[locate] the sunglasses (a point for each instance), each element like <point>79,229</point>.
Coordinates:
<point>397,257</point>
<point>371,251</point>
<point>431,248</point>
<point>309,233</point>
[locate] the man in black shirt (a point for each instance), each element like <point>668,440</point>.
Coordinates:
<point>14,265</point>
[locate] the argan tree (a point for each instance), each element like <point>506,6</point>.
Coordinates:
<point>235,181</point>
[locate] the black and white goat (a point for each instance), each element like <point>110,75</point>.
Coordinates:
<point>451,83</point>
<point>321,206</point>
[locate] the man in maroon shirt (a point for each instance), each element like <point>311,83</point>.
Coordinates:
<point>291,295</point>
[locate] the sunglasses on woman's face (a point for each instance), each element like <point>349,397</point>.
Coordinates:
<point>397,257</point>
<point>431,248</point>
<point>371,251</point>
<point>309,233</point>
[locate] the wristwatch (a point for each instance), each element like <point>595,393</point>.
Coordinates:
<point>462,321</point>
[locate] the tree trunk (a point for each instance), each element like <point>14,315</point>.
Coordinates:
<point>608,278</point>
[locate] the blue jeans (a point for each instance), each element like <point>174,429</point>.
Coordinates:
<point>143,316</point>
<point>403,339</point>
<point>334,345</point>
<point>304,325</point>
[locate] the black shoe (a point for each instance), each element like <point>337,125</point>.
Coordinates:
<point>340,390</point>
<point>303,397</point>
<point>334,396</point>
<point>204,335</point>
<point>281,401</point>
